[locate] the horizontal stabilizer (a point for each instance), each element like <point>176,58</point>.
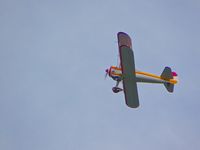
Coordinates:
<point>169,87</point>
<point>167,73</point>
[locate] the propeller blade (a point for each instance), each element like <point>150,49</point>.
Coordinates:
<point>106,75</point>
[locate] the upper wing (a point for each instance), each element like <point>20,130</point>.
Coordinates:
<point>124,39</point>
<point>128,74</point>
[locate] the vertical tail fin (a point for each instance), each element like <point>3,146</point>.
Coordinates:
<point>167,75</point>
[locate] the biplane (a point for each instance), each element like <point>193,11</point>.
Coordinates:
<point>126,73</point>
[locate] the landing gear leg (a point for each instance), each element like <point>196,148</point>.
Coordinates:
<point>117,84</point>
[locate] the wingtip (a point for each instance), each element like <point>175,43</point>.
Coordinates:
<point>122,33</point>
<point>133,106</point>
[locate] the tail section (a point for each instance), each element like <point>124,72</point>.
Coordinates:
<point>175,76</point>
<point>169,87</point>
<point>167,74</point>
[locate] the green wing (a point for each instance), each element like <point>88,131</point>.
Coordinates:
<point>129,78</point>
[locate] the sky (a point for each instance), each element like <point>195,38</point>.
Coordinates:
<point>53,56</point>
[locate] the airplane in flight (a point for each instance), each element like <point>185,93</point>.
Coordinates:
<point>129,76</point>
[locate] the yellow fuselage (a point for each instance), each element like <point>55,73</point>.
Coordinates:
<point>116,74</point>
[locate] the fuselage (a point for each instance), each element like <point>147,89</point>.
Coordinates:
<point>116,74</point>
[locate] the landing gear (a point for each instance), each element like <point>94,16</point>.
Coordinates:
<point>116,89</point>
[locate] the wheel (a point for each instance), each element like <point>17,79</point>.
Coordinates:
<point>116,89</point>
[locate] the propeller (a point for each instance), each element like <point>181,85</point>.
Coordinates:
<point>106,73</point>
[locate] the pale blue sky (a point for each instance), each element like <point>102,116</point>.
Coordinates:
<point>53,55</point>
